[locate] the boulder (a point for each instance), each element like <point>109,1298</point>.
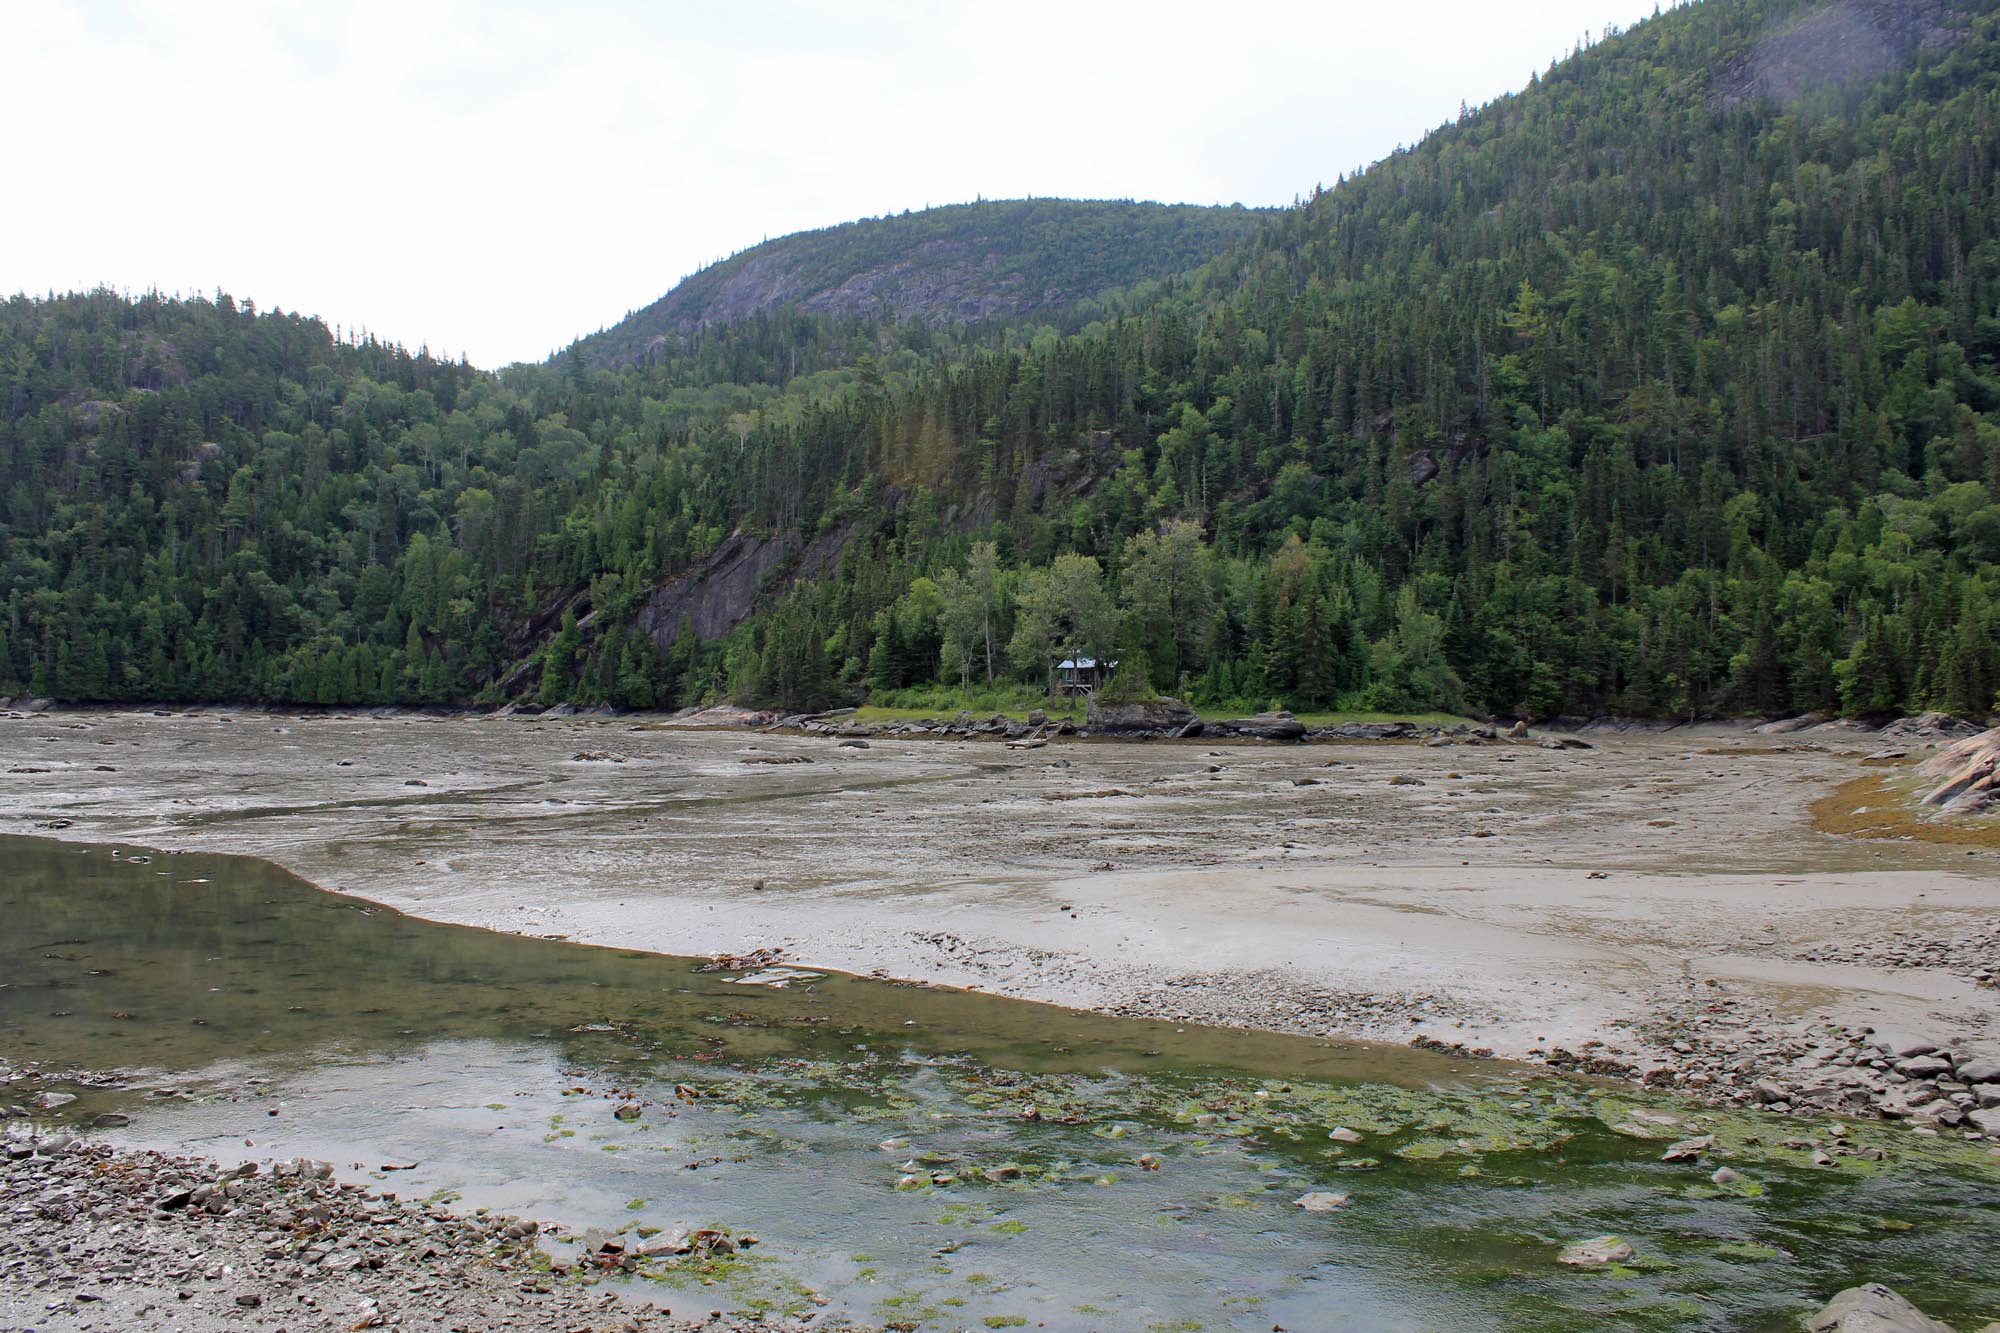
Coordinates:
<point>1595,1253</point>
<point>1320,1201</point>
<point>1924,1066</point>
<point>1688,1150</point>
<point>1280,726</point>
<point>675,1240</point>
<point>1983,1069</point>
<point>1986,1120</point>
<point>1155,717</point>
<point>1873,1309</point>
<point>1789,725</point>
<point>1904,1045</point>
<point>722,715</point>
<point>596,1240</point>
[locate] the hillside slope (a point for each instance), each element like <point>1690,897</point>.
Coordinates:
<point>966,262</point>
<point>1649,389</point>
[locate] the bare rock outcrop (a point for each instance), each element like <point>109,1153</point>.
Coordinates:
<point>1930,727</point>
<point>1966,773</point>
<point>718,591</point>
<point>1153,717</point>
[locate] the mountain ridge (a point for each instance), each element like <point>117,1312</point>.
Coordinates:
<point>991,259</point>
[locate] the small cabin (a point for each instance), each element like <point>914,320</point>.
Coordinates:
<point>1083,675</point>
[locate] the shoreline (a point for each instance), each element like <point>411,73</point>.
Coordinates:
<point>732,718</point>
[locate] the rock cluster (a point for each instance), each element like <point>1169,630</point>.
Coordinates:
<point>961,726</point>
<point>1278,726</point>
<point>1816,1070</point>
<point>1973,954</point>
<point>1931,727</point>
<point>97,1238</point>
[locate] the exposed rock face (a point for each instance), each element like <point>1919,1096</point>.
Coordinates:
<point>1849,41</point>
<point>1158,717</point>
<point>1966,773</point>
<point>719,591</point>
<point>1873,1309</point>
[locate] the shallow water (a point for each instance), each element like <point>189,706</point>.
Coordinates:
<point>287,1021</point>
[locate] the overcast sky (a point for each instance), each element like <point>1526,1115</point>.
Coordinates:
<point>498,178</point>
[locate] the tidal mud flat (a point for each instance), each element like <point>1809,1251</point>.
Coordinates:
<point>1658,907</point>
<point>927,1157</point>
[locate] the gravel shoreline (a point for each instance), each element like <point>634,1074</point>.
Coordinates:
<point>97,1238</point>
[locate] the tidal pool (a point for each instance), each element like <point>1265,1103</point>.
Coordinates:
<point>938,1159</point>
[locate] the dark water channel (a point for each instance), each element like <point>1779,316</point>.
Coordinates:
<point>880,1141</point>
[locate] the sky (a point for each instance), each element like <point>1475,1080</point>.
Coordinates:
<point>495,179</point>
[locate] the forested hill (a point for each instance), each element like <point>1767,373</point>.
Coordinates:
<point>967,262</point>
<point>1669,385</point>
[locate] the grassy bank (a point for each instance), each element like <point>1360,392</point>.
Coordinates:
<point>983,704</point>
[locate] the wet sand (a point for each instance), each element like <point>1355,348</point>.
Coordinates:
<point>1654,889</point>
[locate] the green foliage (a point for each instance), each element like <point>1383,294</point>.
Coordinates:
<point>1131,683</point>
<point>1063,613</point>
<point>1618,395</point>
